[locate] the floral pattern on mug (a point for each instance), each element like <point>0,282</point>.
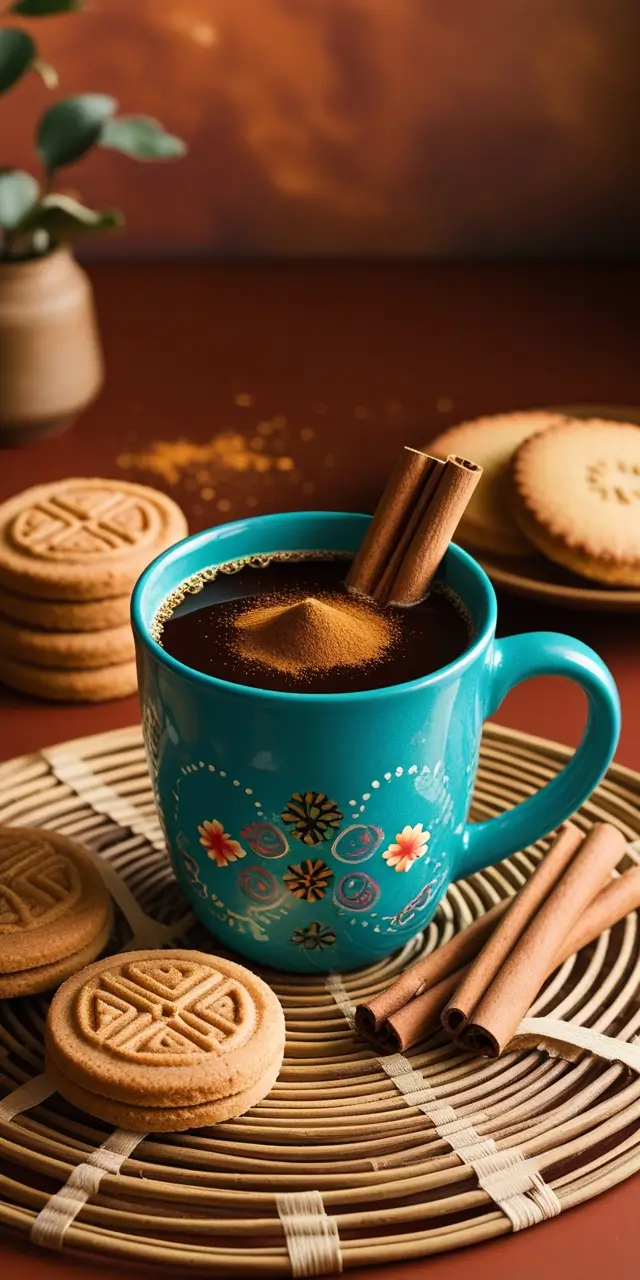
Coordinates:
<point>313,937</point>
<point>410,844</point>
<point>219,846</point>
<point>308,880</point>
<point>312,816</point>
<point>193,875</point>
<point>265,839</point>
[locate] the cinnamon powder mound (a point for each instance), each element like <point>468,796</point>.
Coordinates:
<point>314,634</point>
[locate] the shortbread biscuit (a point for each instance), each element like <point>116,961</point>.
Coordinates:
<point>165,1028</point>
<point>74,649</point>
<point>487,524</point>
<point>53,900</point>
<point>45,977</point>
<point>575,492</point>
<point>165,1119</point>
<point>65,615</point>
<point>59,685</point>
<point>84,539</point>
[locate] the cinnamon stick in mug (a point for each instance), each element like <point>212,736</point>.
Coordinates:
<point>392,517</point>
<point>424,975</point>
<point>510,994</point>
<point>435,531</point>
<point>500,944</point>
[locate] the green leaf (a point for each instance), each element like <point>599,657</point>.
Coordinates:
<point>18,193</point>
<point>64,218</point>
<point>142,138</point>
<point>17,52</point>
<point>42,8</point>
<point>46,72</point>
<point>72,127</point>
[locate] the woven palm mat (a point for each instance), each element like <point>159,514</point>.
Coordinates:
<point>334,1123</point>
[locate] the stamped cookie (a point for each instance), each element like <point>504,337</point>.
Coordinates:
<point>59,685</point>
<point>487,523</point>
<point>575,492</point>
<point>164,1040</point>
<point>65,615</point>
<point>84,539</point>
<point>75,649</point>
<point>55,911</point>
<point>45,977</point>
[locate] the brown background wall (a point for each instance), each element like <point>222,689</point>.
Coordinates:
<point>438,127</point>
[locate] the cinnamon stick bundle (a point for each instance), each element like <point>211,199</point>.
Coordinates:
<point>501,942</point>
<point>458,976</point>
<point>413,524</point>
<point>422,1016</point>
<point>519,979</point>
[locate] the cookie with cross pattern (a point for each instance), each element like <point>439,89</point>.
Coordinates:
<point>55,910</point>
<point>84,539</point>
<point>164,1040</point>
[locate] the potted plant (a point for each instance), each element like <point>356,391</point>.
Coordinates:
<point>50,357</point>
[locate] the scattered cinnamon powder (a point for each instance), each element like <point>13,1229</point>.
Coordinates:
<point>314,634</point>
<point>173,460</point>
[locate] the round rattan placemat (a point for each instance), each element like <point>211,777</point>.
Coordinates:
<point>205,1202</point>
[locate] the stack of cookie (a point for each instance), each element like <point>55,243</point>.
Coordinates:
<point>55,911</point>
<point>568,488</point>
<point>70,553</point>
<point>161,1041</point>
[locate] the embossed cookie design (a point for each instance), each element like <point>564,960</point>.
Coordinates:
<point>164,1040</point>
<point>575,493</point>
<point>84,539</point>
<point>55,911</point>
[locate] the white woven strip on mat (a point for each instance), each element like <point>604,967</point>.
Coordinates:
<point>311,1236</point>
<point>77,774</point>
<point>26,1096</point>
<point>335,986</point>
<point>607,1047</point>
<point>59,1212</point>
<point>511,1180</point>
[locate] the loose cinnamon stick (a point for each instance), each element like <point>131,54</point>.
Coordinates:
<point>613,903</point>
<point>509,995</point>
<point>502,941</point>
<point>421,1015</point>
<point>392,516</point>
<point>435,531</point>
<point>428,972</point>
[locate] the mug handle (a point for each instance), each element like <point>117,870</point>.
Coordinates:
<point>518,658</point>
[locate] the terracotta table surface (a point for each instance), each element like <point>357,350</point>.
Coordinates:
<point>344,363</point>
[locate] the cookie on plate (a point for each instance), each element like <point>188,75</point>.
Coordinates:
<point>160,1041</point>
<point>55,910</point>
<point>84,539</point>
<point>575,493</point>
<point>487,524</point>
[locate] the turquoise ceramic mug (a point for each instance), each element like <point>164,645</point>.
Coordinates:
<point>319,831</point>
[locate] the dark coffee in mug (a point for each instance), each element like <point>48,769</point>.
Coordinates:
<point>287,622</point>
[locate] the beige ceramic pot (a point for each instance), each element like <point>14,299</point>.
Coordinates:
<point>50,357</point>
